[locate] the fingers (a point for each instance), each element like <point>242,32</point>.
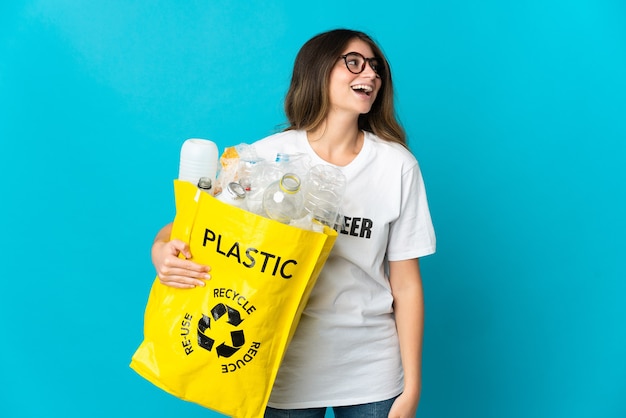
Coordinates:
<point>176,285</point>
<point>179,247</point>
<point>183,272</point>
<point>179,272</point>
<point>181,282</point>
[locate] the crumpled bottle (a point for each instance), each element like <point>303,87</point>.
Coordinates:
<point>283,200</point>
<point>325,187</point>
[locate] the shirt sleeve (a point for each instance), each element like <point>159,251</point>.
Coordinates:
<point>412,234</point>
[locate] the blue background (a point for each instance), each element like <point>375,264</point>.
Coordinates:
<point>516,111</point>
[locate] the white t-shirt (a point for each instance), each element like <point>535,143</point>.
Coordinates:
<point>345,350</point>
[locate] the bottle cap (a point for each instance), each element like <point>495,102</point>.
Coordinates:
<point>236,190</point>
<point>282,157</point>
<point>290,183</point>
<point>205,183</point>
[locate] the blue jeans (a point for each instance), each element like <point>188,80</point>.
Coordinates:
<point>366,410</point>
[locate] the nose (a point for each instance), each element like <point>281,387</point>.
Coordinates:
<point>369,71</point>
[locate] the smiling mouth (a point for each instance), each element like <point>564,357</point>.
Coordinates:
<point>363,88</point>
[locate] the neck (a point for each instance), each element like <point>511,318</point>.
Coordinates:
<point>336,141</point>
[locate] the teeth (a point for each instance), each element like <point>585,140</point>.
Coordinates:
<point>363,87</point>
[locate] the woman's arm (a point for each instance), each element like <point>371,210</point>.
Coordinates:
<point>170,259</point>
<point>408,302</point>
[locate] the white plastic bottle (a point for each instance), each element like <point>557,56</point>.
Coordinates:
<point>198,158</point>
<point>283,200</point>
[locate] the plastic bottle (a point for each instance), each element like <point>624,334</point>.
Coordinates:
<point>205,184</point>
<point>233,194</point>
<point>283,200</point>
<point>198,158</point>
<point>325,187</point>
<point>282,157</point>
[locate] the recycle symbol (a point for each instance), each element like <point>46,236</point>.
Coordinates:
<point>233,318</point>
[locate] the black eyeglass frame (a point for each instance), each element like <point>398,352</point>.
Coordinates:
<point>376,67</point>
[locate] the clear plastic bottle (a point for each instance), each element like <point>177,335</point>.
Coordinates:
<point>282,157</point>
<point>325,187</point>
<point>283,200</point>
<point>205,184</point>
<point>233,194</point>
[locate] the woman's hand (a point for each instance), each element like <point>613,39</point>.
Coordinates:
<point>405,406</point>
<point>173,270</point>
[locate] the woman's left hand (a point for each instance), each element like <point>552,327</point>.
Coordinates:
<point>405,406</point>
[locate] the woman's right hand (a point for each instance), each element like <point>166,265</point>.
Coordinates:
<point>173,270</point>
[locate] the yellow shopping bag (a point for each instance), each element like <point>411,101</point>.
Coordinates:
<point>220,346</point>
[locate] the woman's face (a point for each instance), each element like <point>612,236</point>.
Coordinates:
<point>349,92</point>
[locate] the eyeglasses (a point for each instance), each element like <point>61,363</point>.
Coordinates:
<point>355,63</point>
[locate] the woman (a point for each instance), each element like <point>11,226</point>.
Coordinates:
<point>358,344</point>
